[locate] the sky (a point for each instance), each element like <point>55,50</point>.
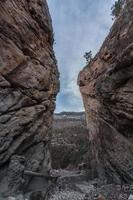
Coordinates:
<point>79,26</point>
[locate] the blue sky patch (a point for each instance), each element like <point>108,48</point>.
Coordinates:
<point>79,26</point>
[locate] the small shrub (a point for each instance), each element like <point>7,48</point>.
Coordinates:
<point>88,57</point>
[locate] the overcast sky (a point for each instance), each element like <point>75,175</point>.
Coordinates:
<point>79,26</point>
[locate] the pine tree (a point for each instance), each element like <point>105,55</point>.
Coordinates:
<point>88,56</point>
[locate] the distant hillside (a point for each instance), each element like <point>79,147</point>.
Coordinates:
<point>69,145</point>
<point>70,113</point>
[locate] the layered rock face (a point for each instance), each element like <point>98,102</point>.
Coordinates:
<point>28,87</point>
<point>106,85</point>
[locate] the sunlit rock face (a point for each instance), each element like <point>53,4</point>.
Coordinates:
<point>28,87</point>
<point>106,85</point>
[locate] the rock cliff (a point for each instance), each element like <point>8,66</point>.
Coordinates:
<point>29,82</point>
<point>106,85</point>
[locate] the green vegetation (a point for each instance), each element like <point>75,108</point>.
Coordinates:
<point>116,8</point>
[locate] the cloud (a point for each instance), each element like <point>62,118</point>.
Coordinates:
<point>79,26</point>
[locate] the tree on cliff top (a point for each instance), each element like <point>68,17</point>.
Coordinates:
<point>88,57</point>
<point>116,8</point>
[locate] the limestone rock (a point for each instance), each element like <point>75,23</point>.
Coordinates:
<point>28,87</point>
<point>106,85</point>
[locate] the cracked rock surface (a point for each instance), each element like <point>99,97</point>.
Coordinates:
<point>106,85</point>
<point>29,82</point>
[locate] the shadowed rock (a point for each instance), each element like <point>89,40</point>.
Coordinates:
<point>28,87</point>
<point>106,86</point>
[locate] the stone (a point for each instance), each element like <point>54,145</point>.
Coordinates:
<point>95,196</point>
<point>15,173</point>
<point>20,197</point>
<point>86,197</point>
<point>11,198</point>
<point>29,83</point>
<point>106,85</point>
<point>37,196</point>
<point>130,197</point>
<point>123,196</point>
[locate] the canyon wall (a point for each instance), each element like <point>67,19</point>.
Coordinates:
<point>29,82</point>
<point>106,85</point>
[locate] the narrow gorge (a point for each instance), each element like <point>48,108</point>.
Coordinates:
<point>69,155</point>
